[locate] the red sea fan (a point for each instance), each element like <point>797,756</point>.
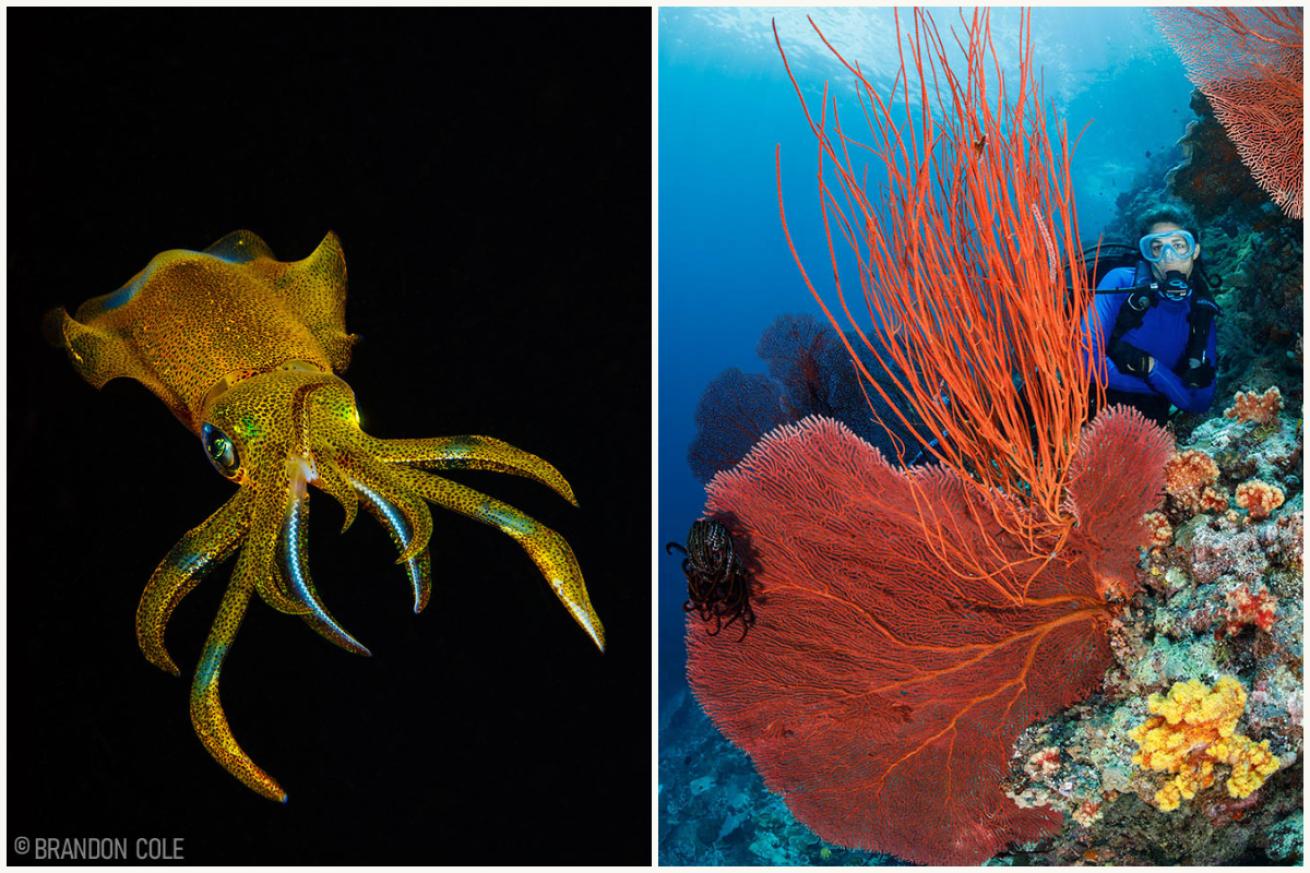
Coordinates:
<point>1116,477</point>
<point>878,693</point>
<point>1248,63</point>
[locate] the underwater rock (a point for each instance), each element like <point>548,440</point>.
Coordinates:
<point>1285,839</point>
<point>1212,178</point>
<point>1221,550</point>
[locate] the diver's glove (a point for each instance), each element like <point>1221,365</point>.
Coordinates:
<point>1130,359</point>
<point>1197,374</point>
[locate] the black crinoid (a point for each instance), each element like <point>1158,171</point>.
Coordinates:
<point>719,577</point>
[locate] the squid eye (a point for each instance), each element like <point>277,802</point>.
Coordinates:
<point>221,450</point>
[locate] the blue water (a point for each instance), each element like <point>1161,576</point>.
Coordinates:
<point>724,268</point>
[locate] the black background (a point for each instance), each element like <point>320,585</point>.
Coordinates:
<point>488,172</point>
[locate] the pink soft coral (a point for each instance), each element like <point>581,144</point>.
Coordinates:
<point>1259,408</point>
<point>1187,474</point>
<point>1258,498</point>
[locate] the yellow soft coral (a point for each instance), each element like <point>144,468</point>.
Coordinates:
<point>1191,730</point>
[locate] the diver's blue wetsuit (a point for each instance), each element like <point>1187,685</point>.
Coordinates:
<point>1162,335</point>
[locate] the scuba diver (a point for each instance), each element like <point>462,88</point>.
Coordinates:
<point>1152,327</point>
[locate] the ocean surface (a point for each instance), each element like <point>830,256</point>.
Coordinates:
<point>725,272</point>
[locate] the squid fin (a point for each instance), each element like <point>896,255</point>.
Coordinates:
<point>97,354</point>
<point>315,289</point>
<point>240,247</point>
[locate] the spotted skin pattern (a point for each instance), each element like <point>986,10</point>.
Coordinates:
<point>244,349</point>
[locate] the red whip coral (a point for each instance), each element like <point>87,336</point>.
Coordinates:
<point>957,258</point>
<point>881,693</point>
<point>1258,498</point>
<point>1248,64</point>
<point>1187,474</point>
<point>1259,408</point>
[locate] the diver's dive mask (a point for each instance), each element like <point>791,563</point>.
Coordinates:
<point>1171,245</point>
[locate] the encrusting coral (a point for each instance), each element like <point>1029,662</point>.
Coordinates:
<point>1250,607</point>
<point>1191,730</point>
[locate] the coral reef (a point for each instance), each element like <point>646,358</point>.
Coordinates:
<point>1218,595</point>
<point>1222,598</point>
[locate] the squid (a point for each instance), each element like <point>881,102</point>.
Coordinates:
<point>245,350</point>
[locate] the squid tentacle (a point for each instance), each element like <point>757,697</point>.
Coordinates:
<point>548,550</point>
<point>383,482</point>
<point>418,568</point>
<point>471,453</point>
<point>271,586</point>
<point>200,550</point>
<point>333,482</point>
<point>293,567</point>
<point>274,591</point>
<point>207,715</point>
